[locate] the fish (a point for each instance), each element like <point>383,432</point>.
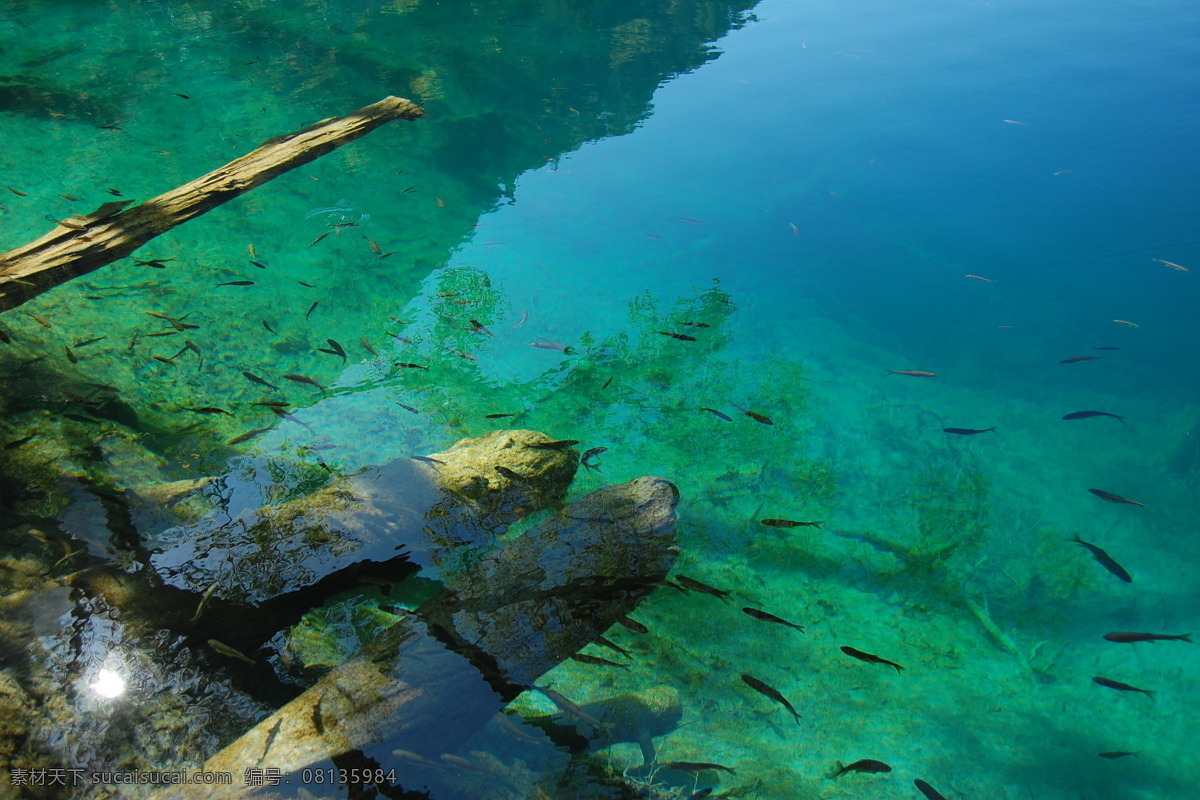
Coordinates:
<point>549,344</point>
<point>1090,414</point>
<point>1077,359</point>
<point>206,410</point>
<point>18,442</point>
<point>1014,122</point>
<point>269,328</point>
<point>1104,559</point>
<point>514,730</point>
<point>311,308</point>
<point>691,219</point>
<point>497,416</point>
<point>428,460</point>
<point>1121,687</point>
<point>681,336</point>
<point>913,373</point>
<point>441,203</point>
<point>39,320</point>
<point>1117,754</point>
<point>697,586</point>
<point>408,408</point>
<point>568,707</point>
<point>74,359</point>
<point>376,249</point>
<point>367,346</point>
<point>795,231</point>
<point>1127,322</point>
<point>236,283</point>
<point>981,278</point>
<point>319,238</point>
<point>653,235</point>
<point>633,625</point>
<point>868,765</point>
<point>1125,637</point>
<point>4,337</point>
<point>607,382</point>
<point>407,365</point>
<point>1106,348</point>
<point>765,617</point>
<point>587,457</point>
<point>600,640</point>
<point>968,431</point>
<point>697,324</point>
<point>1115,498</point>
<point>271,734</point>
<point>790,523</point>
<point>334,349</point>
<point>413,758</point>
<point>871,659</point>
<point>769,691</point>
<point>258,264</point>
<point>754,415</point>
<point>250,376</point>
<point>86,342</point>
<point>723,416</point>
<point>584,658</point>
<point>164,360</point>
<point>291,376</point>
<point>252,251</point>
<point>462,354</point>
<point>212,588</point>
<point>17,192</point>
<point>226,650</point>
<point>561,444</point>
<point>1171,264</point>
<point>927,790</point>
<point>697,766</point>
<point>248,435</point>
<point>479,327</point>
<point>524,318</point>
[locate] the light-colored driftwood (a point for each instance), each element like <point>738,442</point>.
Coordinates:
<point>81,244</point>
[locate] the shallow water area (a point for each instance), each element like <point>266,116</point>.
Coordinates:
<point>845,277</point>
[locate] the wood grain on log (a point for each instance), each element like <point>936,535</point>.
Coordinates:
<point>82,244</point>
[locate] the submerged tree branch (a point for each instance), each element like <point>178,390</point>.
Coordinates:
<point>82,244</point>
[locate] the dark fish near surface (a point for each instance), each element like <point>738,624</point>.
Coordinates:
<point>549,344</point>
<point>633,625</point>
<point>611,645</point>
<point>1117,754</point>
<point>754,415</point>
<point>406,365</point>
<point>697,324</point>
<point>1121,687</point>
<point>681,336</point>
<point>236,283</point>
<point>206,410</point>
<point>927,790</point>
<point>250,376</point>
<point>913,373</point>
<point>334,349</point>
<point>1090,414</point>
<point>586,458</point>
<point>790,523</point>
<point>561,444</point>
<point>367,346</point>
<point>1077,359</point>
<point>584,658</point>
<point>725,417</point>
<point>85,342</point>
<point>248,435</point>
<point>71,355</point>
<point>868,765</point>
<point>497,416</point>
<point>697,766</point>
<point>302,379</point>
<point>1115,498</point>
<point>968,431</point>
<point>226,650</point>
<point>697,586</point>
<point>1125,637</point>
<point>269,328</point>
<point>311,308</point>
<point>871,659</point>
<point>765,617</point>
<point>768,691</point>
<point>479,327</point>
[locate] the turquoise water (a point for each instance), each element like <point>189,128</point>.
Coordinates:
<point>816,183</point>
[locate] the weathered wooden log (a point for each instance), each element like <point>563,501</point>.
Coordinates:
<point>82,244</point>
<point>427,684</point>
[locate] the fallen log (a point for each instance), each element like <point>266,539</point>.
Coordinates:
<point>81,244</point>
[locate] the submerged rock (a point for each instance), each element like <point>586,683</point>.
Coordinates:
<point>425,509</point>
<point>433,680</point>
